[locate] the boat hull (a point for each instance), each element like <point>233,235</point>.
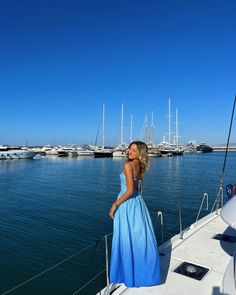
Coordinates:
<point>17,154</point>
<point>102,154</point>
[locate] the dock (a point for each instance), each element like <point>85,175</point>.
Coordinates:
<point>223,148</point>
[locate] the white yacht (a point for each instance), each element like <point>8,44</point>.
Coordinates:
<point>55,151</point>
<point>103,152</point>
<point>191,147</point>
<point>8,153</point>
<point>84,151</point>
<point>49,150</point>
<point>120,151</point>
<point>164,148</point>
<point>153,151</point>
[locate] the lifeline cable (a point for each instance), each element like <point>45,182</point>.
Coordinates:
<point>220,192</point>
<point>227,146</point>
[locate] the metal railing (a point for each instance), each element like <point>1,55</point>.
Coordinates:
<point>205,197</point>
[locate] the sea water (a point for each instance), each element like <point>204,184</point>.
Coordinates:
<point>52,208</point>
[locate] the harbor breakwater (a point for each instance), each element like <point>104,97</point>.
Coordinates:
<point>223,148</point>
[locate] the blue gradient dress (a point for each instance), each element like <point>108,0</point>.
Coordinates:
<point>134,256</point>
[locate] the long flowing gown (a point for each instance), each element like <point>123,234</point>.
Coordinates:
<point>134,256</point>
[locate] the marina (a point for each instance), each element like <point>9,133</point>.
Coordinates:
<point>165,148</point>
<point>155,150</point>
<point>115,174</point>
<point>53,207</point>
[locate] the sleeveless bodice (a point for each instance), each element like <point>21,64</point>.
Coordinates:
<point>136,191</point>
<point>122,182</point>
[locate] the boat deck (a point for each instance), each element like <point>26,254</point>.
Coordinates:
<point>198,247</point>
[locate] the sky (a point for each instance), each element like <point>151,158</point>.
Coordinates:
<point>61,60</point>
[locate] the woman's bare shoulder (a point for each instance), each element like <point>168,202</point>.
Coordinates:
<point>128,167</point>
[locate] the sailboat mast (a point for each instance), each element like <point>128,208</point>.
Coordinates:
<point>103,124</point>
<point>146,129</point>
<point>177,129</point>
<point>131,128</point>
<point>122,125</point>
<point>152,128</point>
<point>169,122</point>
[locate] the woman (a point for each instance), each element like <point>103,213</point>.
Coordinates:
<point>134,257</point>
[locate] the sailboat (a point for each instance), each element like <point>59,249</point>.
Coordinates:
<point>177,149</point>
<point>153,150</point>
<point>102,152</point>
<point>166,147</point>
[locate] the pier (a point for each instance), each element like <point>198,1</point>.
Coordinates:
<point>223,148</point>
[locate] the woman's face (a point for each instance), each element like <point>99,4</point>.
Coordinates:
<point>133,152</point>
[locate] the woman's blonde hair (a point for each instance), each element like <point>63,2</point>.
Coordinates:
<point>143,155</point>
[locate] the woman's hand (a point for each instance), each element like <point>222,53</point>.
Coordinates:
<point>113,209</point>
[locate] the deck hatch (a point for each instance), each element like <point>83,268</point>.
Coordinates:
<point>225,238</point>
<point>191,270</point>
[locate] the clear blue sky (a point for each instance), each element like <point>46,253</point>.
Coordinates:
<point>60,60</point>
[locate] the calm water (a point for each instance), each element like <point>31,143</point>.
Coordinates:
<point>51,208</point>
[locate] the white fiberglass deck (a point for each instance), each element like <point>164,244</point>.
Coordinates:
<point>197,247</point>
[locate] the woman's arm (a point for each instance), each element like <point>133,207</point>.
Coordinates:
<point>128,171</point>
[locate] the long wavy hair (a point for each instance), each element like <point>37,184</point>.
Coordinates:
<point>143,155</point>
